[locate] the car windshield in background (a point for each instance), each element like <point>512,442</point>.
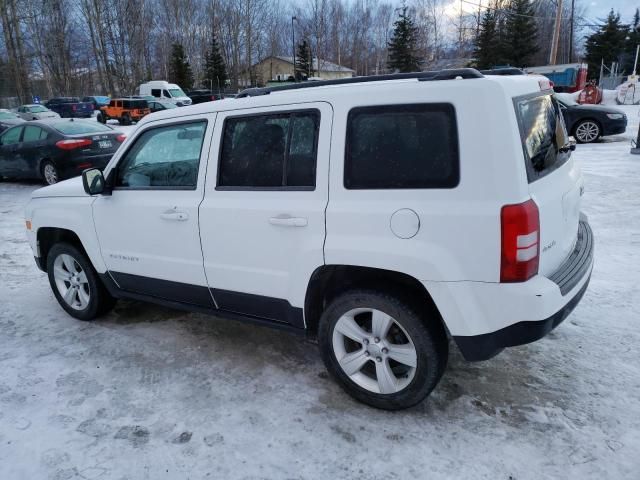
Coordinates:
<point>566,99</point>
<point>176,92</point>
<point>543,134</point>
<point>7,116</point>
<point>38,109</point>
<point>168,104</point>
<point>79,128</point>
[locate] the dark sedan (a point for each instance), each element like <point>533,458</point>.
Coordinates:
<point>8,119</point>
<point>55,149</point>
<point>587,123</point>
<point>159,105</point>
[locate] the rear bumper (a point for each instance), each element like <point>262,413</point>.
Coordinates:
<point>485,318</point>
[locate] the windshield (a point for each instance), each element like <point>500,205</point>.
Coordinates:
<point>7,116</point>
<point>176,92</point>
<point>38,109</point>
<point>76,128</point>
<point>168,104</point>
<point>543,135</point>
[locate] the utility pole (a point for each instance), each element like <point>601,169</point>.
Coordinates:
<point>573,9</point>
<point>556,35</point>
<point>293,45</point>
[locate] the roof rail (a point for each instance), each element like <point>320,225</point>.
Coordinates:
<point>465,73</point>
<point>503,71</point>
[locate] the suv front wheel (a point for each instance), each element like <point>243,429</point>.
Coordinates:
<point>76,284</point>
<point>381,350</point>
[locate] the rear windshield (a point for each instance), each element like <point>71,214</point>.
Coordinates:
<point>543,134</point>
<point>38,109</point>
<point>79,128</point>
<point>135,104</point>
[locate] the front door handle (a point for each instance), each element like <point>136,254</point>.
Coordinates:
<point>288,221</point>
<point>175,216</point>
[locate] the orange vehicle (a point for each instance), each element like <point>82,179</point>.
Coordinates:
<point>125,110</point>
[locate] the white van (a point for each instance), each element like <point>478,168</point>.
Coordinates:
<point>387,218</point>
<point>165,90</point>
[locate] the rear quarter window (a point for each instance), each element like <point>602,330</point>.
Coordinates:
<point>402,147</point>
<point>543,134</point>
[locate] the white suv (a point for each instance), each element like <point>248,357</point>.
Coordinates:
<point>380,216</point>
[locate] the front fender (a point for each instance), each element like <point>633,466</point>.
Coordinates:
<point>69,213</point>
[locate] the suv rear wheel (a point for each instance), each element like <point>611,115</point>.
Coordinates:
<point>381,350</point>
<point>102,118</point>
<point>125,119</point>
<point>75,283</point>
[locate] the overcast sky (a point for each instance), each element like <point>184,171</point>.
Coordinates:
<point>598,9</point>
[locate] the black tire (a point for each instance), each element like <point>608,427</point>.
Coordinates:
<point>424,330</point>
<point>49,172</point>
<point>590,126</point>
<point>102,118</point>
<point>100,301</point>
<point>126,119</point>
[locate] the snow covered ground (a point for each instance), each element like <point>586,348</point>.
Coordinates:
<point>151,393</point>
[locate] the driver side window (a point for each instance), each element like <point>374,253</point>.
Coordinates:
<point>164,157</point>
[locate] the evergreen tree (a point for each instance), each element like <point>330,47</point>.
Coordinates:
<point>215,70</point>
<point>179,68</point>
<point>606,44</point>
<point>402,47</point>
<point>632,44</point>
<point>488,51</point>
<point>304,61</point>
<point>519,43</point>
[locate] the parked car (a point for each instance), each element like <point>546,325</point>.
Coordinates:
<point>70,107</point>
<point>165,91</point>
<point>97,101</point>
<point>124,110</point>
<point>55,149</point>
<point>587,123</point>
<point>203,95</point>
<point>377,217</point>
<point>35,112</point>
<point>8,119</point>
<point>159,105</point>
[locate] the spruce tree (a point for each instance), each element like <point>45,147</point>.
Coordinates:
<point>215,70</point>
<point>304,61</point>
<point>488,43</point>
<point>606,44</point>
<point>519,43</point>
<point>179,67</point>
<point>402,47</point>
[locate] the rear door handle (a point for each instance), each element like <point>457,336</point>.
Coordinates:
<point>175,216</point>
<point>288,221</point>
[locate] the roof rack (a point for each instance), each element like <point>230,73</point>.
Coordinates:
<point>465,73</point>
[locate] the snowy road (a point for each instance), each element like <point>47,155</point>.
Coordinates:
<point>151,393</point>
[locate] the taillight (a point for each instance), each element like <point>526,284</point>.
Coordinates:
<point>213,98</point>
<point>74,107</point>
<point>121,138</point>
<point>73,144</point>
<point>520,241</point>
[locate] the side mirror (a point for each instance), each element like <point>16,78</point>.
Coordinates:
<point>93,181</point>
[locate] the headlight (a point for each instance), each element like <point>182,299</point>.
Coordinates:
<point>615,116</point>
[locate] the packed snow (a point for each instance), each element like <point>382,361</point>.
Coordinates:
<point>148,392</point>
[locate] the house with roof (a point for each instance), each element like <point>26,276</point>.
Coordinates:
<point>280,69</point>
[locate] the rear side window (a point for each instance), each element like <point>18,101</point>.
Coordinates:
<point>11,136</point>
<point>33,134</point>
<point>402,146</point>
<point>270,151</point>
<point>543,134</point>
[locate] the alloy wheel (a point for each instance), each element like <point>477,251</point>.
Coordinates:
<point>374,350</point>
<point>50,173</point>
<point>71,282</point>
<point>587,132</point>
